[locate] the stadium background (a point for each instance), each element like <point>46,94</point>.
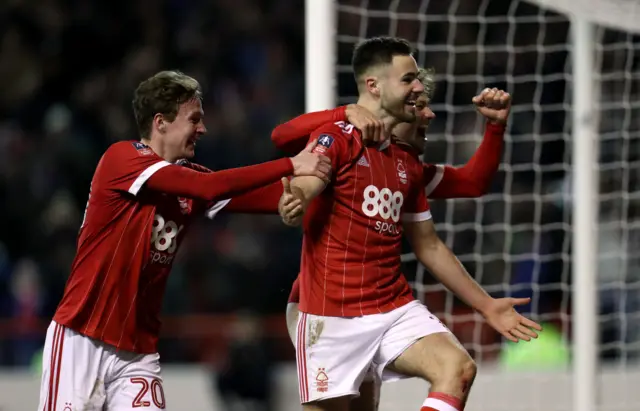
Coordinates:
<point>67,72</point>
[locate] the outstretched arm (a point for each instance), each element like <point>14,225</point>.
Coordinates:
<point>184,182</point>
<point>293,135</point>
<point>444,265</point>
<point>474,178</point>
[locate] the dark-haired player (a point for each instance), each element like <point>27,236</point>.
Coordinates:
<point>356,308</point>
<point>470,180</point>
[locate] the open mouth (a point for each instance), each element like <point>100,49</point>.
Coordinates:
<point>193,140</point>
<point>422,131</point>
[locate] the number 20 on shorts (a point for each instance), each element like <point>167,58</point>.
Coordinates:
<point>154,387</point>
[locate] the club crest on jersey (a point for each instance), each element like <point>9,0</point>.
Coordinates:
<point>324,142</point>
<point>402,172</point>
<point>143,149</point>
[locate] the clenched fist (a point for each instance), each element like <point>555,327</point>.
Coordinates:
<point>494,104</point>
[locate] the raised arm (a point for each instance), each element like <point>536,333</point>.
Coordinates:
<point>293,135</point>
<point>444,265</point>
<point>472,179</point>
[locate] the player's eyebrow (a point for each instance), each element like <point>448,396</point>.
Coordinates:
<point>410,75</point>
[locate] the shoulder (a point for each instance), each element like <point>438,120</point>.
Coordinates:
<point>338,130</point>
<point>194,166</point>
<point>128,149</point>
<point>341,133</point>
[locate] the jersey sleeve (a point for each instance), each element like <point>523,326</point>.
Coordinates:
<point>128,165</point>
<point>417,206</point>
<point>334,143</point>
<point>293,135</point>
<point>472,179</point>
<point>263,200</point>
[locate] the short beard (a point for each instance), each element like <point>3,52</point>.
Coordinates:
<point>399,114</point>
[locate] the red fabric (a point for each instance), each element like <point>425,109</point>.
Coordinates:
<point>351,248</point>
<point>138,211</point>
<point>474,178</point>
<point>293,136</point>
<point>184,182</point>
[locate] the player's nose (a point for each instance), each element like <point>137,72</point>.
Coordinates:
<point>428,114</point>
<point>417,87</point>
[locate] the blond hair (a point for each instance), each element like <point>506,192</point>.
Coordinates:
<point>427,78</point>
<point>162,93</point>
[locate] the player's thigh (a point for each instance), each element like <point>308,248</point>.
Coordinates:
<point>419,345</point>
<point>72,371</point>
<point>333,355</point>
<point>436,358</point>
<point>292,320</point>
<point>137,383</point>
<point>369,396</point>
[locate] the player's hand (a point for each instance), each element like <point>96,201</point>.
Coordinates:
<point>290,207</point>
<point>494,104</point>
<point>373,130</point>
<point>308,163</point>
<point>501,315</point>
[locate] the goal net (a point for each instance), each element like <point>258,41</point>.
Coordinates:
<point>516,240</point>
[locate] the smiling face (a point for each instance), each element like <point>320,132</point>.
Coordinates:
<point>168,111</point>
<point>400,88</point>
<point>414,133</point>
<point>179,136</point>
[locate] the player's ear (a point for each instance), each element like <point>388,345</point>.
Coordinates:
<point>159,122</point>
<point>372,84</point>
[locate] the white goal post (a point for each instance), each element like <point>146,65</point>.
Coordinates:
<point>323,36</point>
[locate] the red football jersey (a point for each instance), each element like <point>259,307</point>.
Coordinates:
<point>352,232</point>
<point>126,246</point>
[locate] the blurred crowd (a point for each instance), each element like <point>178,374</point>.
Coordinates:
<point>67,72</point>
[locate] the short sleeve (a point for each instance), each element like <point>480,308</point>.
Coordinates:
<point>333,144</point>
<point>432,175</point>
<point>126,166</point>
<point>417,206</point>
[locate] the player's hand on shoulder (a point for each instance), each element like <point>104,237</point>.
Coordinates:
<point>308,163</point>
<point>291,206</point>
<point>494,104</point>
<point>373,130</point>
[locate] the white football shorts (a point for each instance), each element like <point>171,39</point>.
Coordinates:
<point>334,354</point>
<point>80,373</point>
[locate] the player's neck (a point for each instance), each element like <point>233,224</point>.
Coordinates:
<point>156,145</point>
<point>374,107</point>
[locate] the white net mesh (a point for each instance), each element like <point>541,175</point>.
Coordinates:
<point>516,240</point>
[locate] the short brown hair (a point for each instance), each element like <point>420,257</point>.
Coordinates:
<point>162,93</point>
<point>376,51</point>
